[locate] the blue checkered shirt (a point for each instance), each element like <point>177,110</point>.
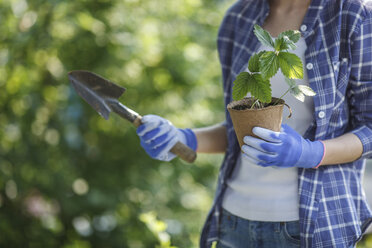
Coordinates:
<point>338,33</point>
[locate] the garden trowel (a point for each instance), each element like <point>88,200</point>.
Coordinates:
<point>103,96</point>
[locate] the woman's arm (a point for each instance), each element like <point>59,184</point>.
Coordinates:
<point>212,139</point>
<point>343,149</point>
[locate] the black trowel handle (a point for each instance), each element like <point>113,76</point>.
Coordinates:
<point>181,150</point>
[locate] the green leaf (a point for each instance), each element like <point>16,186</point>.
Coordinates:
<point>263,36</point>
<point>278,44</point>
<point>254,62</point>
<point>299,91</point>
<point>296,92</point>
<point>306,90</point>
<point>284,43</point>
<point>252,83</point>
<point>260,88</point>
<point>291,82</point>
<point>240,88</point>
<point>269,64</point>
<point>293,35</point>
<point>289,43</point>
<point>290,65</point>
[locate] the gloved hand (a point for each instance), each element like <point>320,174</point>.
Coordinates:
<point>283,149</point>
<point>158,136</point>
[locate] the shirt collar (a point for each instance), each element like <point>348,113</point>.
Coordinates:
<point>311,17</point>
<point>308,22</point>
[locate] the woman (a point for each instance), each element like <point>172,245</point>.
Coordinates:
<point>315,198</point>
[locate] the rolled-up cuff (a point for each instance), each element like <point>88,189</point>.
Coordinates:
<point>364,133</point>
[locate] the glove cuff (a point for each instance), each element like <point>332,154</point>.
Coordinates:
<point>321,160</point>
<point>312,154</point>
<point>191,140</point>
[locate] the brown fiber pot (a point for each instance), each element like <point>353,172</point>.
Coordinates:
<point>244,120</point>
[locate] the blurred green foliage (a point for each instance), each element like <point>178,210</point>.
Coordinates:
<point>70,179</point>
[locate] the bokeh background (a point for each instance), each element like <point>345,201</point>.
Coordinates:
<point>69,178</point>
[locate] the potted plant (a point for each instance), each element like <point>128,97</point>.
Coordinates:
<point>261,109</point>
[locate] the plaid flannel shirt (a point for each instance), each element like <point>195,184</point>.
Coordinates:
<point>338,33</point>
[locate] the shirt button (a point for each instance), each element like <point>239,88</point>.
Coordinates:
<point>309,66</point>
<point>303,28</point>
<point>321,114</point>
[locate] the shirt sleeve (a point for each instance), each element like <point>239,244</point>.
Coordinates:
<point>360,93</point>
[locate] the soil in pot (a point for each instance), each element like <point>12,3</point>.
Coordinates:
<point>248,105</point>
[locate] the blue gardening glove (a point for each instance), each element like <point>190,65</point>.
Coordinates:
<point>283,149</point>
<point>158,136</point>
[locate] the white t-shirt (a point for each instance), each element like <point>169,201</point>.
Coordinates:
<point>271,193</point>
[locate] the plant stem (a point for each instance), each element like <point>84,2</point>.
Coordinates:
<point>276,102</point>
<point>255,102</point>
